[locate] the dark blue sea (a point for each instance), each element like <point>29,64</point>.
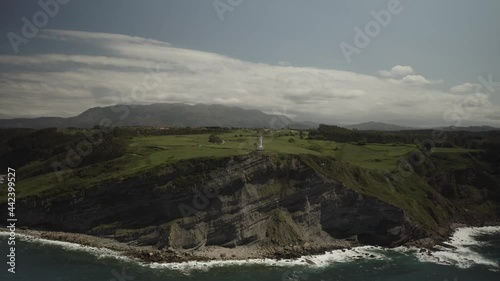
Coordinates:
<point>472,254</point>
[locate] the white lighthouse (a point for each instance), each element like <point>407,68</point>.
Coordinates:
<point>260,146</point>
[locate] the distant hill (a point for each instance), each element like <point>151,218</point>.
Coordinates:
<point>470,128</point>
<point>304,125</point>
<point>165,114</point>
<point>377,126</point>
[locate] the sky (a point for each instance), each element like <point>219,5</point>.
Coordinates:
<point>413,63</point>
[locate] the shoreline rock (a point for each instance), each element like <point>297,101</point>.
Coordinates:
<point>148,254</point>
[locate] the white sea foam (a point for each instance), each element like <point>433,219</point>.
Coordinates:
<point>313,261</point>
<point>98,252</point>
<point>318,261</point>
<point>459,249</point>
<point>460,254</point>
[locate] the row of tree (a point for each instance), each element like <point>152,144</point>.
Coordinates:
<point>48,145</point>
<point>474,140</point>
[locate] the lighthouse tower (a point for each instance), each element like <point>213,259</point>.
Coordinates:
<point>260,146</point>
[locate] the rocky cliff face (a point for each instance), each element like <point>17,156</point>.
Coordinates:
<point>258,199</point>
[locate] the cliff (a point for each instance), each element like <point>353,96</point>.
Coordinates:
<point>263,200</point>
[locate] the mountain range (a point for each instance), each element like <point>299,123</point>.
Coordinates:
<point>198,115</point>
<point>163,114</point>
<point>377,126</point>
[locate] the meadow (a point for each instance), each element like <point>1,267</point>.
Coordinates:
<point>146,152</point>
<point>160,149</point>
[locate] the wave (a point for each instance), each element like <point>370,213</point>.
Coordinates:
<point>457,251</point>
<point>315,261</point>
<point>460,249</point>
<point>98,252</point>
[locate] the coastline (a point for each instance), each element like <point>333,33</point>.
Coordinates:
<point>151,256</point>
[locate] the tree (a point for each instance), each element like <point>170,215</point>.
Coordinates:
<point>290,140</point>
<point>215,139</point>
<point>362,142</point>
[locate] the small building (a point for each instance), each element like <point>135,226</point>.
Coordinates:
<point>260,146</point>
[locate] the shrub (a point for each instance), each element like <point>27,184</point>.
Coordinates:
<point>214,139</point>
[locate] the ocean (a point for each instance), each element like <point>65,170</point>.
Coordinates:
<point>471,254</point>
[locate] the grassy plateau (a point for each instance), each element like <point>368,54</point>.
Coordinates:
<point>146,152</point>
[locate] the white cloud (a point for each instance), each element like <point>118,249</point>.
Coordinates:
<point>406,74</point>
<point>74,35</point>
<point>284,63</point>
<point>465,88</point>
<point>398,71</point>
<point>419,79</point>
<point>67,84</point>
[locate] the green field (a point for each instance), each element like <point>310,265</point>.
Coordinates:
<point>144,153</point>
<point>158,150</point>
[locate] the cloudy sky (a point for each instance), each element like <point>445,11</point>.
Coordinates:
<point>419,63</point>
